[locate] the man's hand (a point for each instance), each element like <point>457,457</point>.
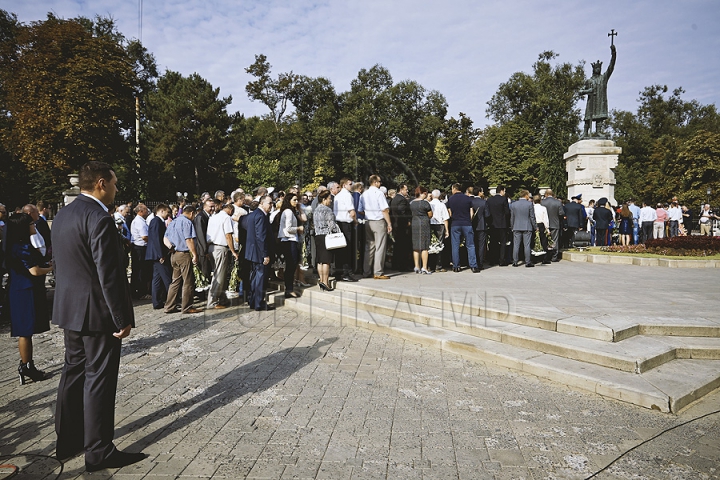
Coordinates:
<point>266,260</point>
<point>194,259</point>
<point>123,333</point>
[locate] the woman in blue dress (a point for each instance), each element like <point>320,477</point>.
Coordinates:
<point>27,296</point>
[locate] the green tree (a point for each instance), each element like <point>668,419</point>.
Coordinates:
<point>67,89</point>
<point>544,106</point>
<point>655,164</point>
<point>187,135</point>
<point>273,93</point>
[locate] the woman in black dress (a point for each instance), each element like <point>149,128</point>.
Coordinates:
<point>626,224</point>
<point>421,214</point>
<point>27,296</point>
<point>324,223</point>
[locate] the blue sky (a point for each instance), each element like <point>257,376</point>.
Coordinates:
<point>464,49</point>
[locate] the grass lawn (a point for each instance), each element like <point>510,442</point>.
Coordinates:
<point>596,251</point>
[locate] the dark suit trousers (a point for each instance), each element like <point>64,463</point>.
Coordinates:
<point>498,239</point>
<point>85,411</point>
<point>555,237</point>
<point>257,286</point>
<point>647,231</point>
<point>480,244</point>
<point>345,257</point>
<point>139,277</point>
<point>162,277</point>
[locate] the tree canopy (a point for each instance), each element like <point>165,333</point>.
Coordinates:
<point>69,90</point>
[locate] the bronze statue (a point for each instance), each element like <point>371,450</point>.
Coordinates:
<point>596,90</point>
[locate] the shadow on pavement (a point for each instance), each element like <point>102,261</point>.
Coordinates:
<point>256,376</point>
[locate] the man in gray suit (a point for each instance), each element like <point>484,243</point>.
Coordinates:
<point>94,307</point>
<point>522,220</point>
<point>556,212</point>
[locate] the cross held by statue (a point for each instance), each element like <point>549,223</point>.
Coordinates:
<point>612,36</point>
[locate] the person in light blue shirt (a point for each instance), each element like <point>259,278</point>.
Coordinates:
<point>180,239</point>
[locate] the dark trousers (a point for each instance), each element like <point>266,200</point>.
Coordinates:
<point>360,247</point>
<point>162,277</point>
<point>543,236</point>
<point>555,238</point>
<point>85,411</point>
<point>498,239</point>
<point>601,237</point>
<point>291,251</point>
<point>256,299</point>
<point>480,243</point>
<point>402,248</point>
<point>647,231</point>
<point>344,256</point>
<point>673,228</point>
<point>139,276</point>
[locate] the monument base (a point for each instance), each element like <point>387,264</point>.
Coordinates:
<point>589,165</point>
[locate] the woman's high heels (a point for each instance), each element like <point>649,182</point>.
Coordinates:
<point>29,370</point>
<point>324,287</point>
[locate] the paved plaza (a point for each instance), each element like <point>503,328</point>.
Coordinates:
<point>240,394</point>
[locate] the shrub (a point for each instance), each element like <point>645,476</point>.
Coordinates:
<point>694,246</point>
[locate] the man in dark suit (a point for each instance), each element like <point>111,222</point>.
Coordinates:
<point>556,213</point>
<point>480,211</point>
<point>576,217</point>
<point>42,226</point>
<point>522,219</point>
<point>401,217</point>
<point>159,255</point>
<point>201,222</point>
<point>499,213</point>
<point>257,250</point>
<point>94,307</point>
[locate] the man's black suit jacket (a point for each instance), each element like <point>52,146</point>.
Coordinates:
<point>480,211</point>
<point>156,248</point>
<point>499,210</point>
<point>259,241</point>
<point>201,223</point>
<point>92,293</point>
<point>575,214</point>
<point>400,214</point>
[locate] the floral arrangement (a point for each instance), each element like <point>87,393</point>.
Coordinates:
<point>693,246</point>
<point>201,281</point>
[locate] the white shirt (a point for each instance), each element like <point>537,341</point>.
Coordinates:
<point>138,229</point>
<point>439,211</point>
<point>675,214</point>
<point>375,203</point>
<point>541,215</point>
<point>342,206</point>
<point>219,225</point>
<point>38,242</point>
<point>647,214</point>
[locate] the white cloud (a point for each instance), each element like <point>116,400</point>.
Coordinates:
<point>464,49</point>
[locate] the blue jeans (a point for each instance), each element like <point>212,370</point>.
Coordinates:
<point>467,232</point>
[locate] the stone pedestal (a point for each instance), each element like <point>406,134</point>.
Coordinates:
<point>589,165</point>
<point>71,194</point>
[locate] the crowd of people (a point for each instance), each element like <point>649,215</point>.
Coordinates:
<point>238,242</point>
<point>235,244</point>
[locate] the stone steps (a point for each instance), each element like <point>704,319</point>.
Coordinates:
<point>664,373</point>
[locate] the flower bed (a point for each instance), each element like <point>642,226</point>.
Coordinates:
<point>694,246</point>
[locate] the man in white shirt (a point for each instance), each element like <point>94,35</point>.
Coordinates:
<point>706,218</point>
<point>141,269</point>
<point>439,226</point>
<point>675,218</point>
<point>344,210</point>
<point>220,246</point>
<point>377,228</point>
<point>648,215</point>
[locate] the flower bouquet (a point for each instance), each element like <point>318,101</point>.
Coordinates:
<point>201,281</point>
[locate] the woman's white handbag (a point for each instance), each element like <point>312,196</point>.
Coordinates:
<point>334,241</point>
